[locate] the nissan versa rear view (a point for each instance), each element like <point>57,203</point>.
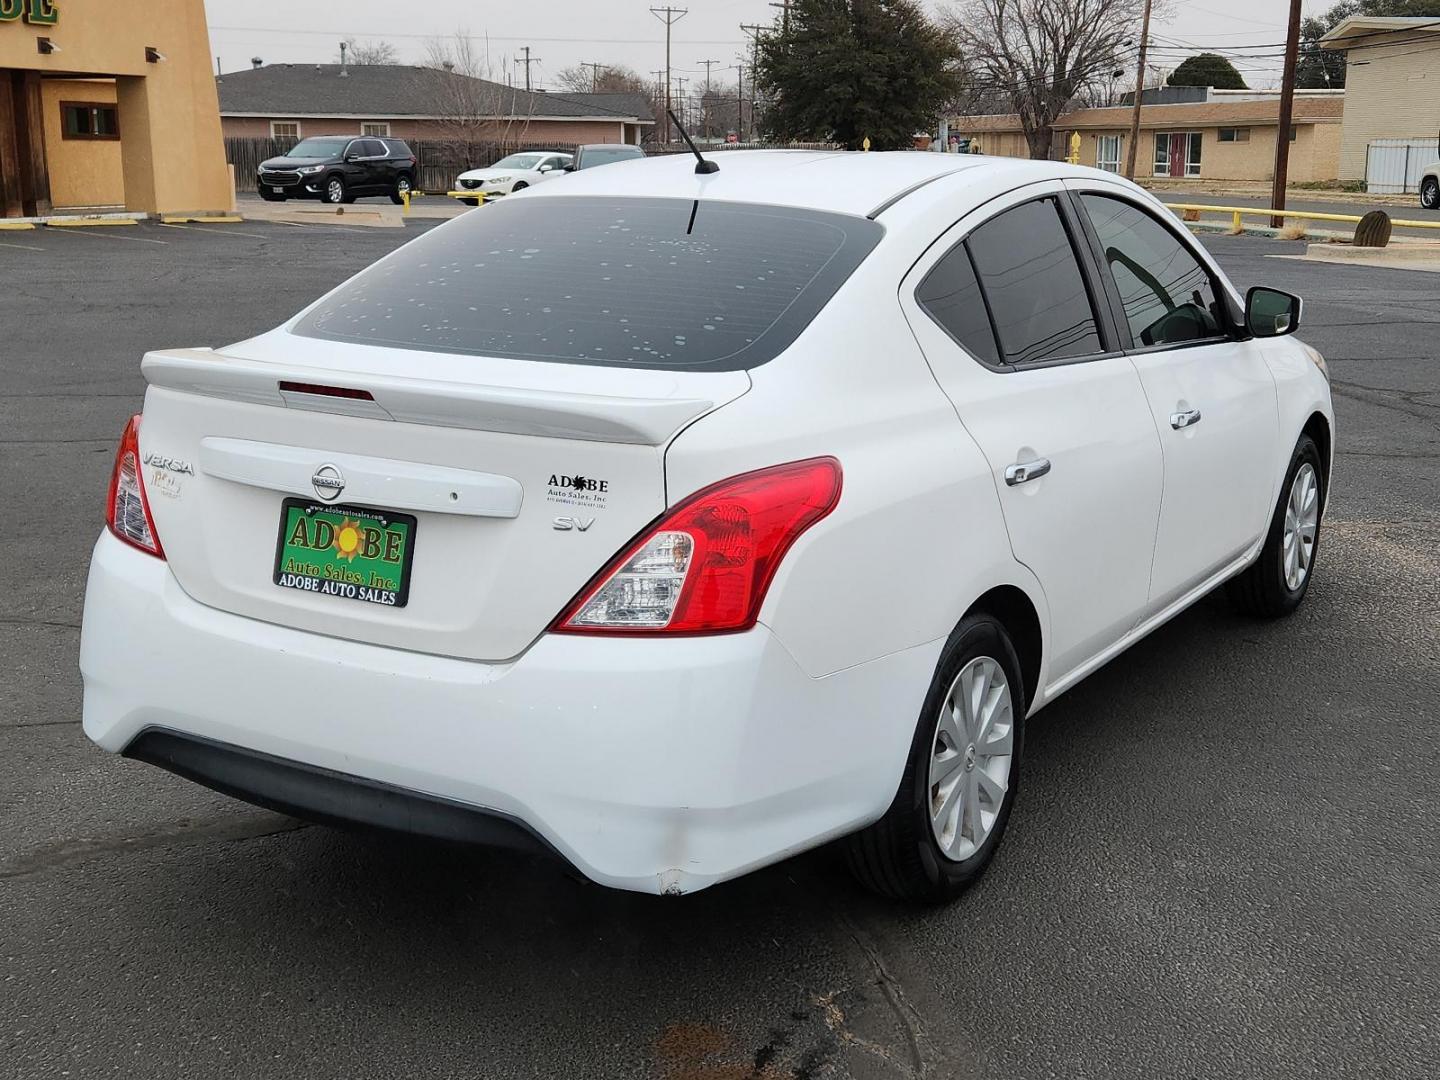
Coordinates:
<point>674,522</point>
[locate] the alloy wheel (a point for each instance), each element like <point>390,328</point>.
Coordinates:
<point>403,185</point>
<point>1302,522</point>
<point>970,758</point>
<point>335,191</point>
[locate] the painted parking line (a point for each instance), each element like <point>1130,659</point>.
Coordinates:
<point>321,225</point>
<point>215,232</point>
<point>22,247</point>
<point>80,230</point>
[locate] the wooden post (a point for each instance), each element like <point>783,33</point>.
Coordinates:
<point>1287,108</point>
<point>10,187</point>
<point>1139,94</point>
<point>30,141</point>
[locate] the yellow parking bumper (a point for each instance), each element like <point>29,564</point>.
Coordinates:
<point>478,196</point>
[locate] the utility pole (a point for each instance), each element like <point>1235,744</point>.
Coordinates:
<point>705,99</point>
<point>669,16</point>
<point>527,61</point>
<point>594,73</point>
<point>1287,108</point>
<point>680,95</point>
<point>784,6</point>
<point>1139,95</point>
<point>753,31</point>
<point>740,99</point>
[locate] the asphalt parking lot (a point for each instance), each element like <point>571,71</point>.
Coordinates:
<point>1223,862</point>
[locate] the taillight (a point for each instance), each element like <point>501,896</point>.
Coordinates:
<point>127,510</point>
<point>705,566</point>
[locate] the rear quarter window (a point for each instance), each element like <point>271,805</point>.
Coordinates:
<point>674,284</point>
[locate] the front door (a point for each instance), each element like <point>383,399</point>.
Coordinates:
<point>1008,323</point>
<point>1211,394</point>
<point>1177,154</point>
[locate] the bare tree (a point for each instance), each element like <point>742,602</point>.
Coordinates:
<point>474,105</point>
<point>602,79</point>
<point>1041,54</point>
<point>367,53</point>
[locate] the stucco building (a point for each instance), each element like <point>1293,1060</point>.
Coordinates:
<point>1392,98</point>
<point>1228,136</point>
<point>108,104</point>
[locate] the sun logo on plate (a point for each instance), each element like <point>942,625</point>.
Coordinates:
<point>347,540</point>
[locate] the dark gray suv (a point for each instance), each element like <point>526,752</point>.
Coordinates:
<point>339,169</point>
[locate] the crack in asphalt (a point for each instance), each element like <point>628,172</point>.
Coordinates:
<point>67,853</point>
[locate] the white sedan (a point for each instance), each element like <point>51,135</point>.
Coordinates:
<point>513,173</point>
<point>715,517</point>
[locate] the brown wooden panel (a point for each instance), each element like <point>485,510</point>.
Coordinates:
<point>10,201</point>
<point>30,140</point>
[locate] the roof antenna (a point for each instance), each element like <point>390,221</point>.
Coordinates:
<point>702,166</point>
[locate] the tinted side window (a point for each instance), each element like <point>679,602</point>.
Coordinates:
<point>1033,282</point>
<point>373,148</point>
<point>951,296</point>
<point>1168,295</point>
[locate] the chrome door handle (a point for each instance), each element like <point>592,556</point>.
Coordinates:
<point>1184,419</point>
<point>1030,470</point>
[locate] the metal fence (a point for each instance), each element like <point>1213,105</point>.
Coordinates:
<point>441,161</point>
<point>1395,166</point>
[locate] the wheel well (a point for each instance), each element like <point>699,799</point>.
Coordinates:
<point>1318,428</point>
<point>1017,614</point>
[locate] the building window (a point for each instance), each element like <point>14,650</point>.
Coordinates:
<point>379,128</point>
<point>1292,132</point>
<point>1177,153</point>
<point>89,120</point>
<point>1234,134</point>
<point>1107,153</point>
<point>284,129</point>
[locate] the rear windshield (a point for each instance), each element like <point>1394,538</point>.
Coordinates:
<point>655,283</point>
<point>590,158</point>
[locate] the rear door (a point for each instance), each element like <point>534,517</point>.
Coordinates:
<point>1211,393</point>
<point>379,169</point>
<point>1011,327</point>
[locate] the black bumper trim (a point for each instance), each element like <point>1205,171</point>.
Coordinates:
<point>330,797</point>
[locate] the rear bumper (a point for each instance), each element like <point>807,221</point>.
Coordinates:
<point>654,765</point>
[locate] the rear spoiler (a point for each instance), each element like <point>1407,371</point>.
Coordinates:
<point>588,417</point>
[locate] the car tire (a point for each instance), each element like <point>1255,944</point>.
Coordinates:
<point>402,185</point>
<point>520,185</point>
<point>1430,193</point>
<point>902,856</point>
<point>335,191</point>
<point>1276,583</point>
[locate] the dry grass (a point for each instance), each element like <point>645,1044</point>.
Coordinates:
<point>1293,232</point>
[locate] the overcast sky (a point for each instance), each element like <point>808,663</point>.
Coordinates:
<point>565,32</point>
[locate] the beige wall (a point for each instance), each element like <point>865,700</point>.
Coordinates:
<point>83,172</point>
<point>1390,92</point>
<point>171,155</point>
<point>536,131</point>
<point>1313,154</point>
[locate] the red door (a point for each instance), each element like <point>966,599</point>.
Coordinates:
<point>1178,143</point>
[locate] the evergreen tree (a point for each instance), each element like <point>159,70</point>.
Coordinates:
<point>855,69</point>
<point>1207,69</point>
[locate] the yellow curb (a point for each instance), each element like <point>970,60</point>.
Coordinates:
<point>478,196</point>
<point>88,222</point>
<point>16,225</point>
<point>225,219</point>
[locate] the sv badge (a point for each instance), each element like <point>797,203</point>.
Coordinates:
<point>565,524</point>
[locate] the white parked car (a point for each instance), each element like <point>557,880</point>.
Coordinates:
<point>514,173</point>
<point>1430,187</point>
<point>678,523</point>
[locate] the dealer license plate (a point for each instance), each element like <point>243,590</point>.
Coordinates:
<point>277,189</point>
<point>347,551</point>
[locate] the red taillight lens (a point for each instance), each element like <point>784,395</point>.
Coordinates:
<point>704,567</point>
<point>127,510</point>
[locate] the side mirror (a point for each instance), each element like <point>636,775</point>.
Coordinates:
<point>350,158</point>
<point>569,168</point>
<point>545,168</point>
<point>1271,313</point>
